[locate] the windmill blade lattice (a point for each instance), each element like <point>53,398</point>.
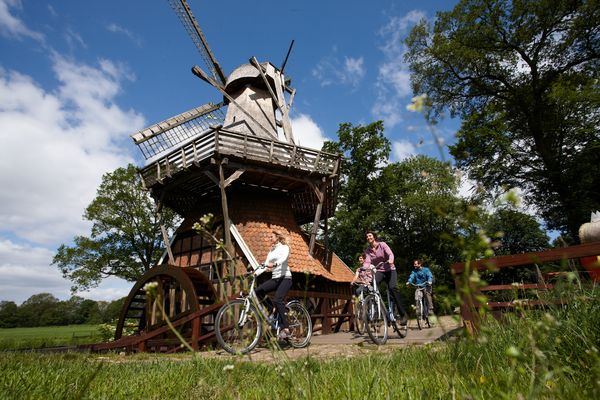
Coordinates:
<point>177,130</point>
<point>183,11</point>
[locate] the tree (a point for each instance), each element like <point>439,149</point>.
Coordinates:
<point>421,202</point>
<point>37,310</point>
<point>523,75</point>
<point>125,239</point>
<point>419,195</point>
<point>514,232</point>
<point>366,150</point>
<point>9,314</point>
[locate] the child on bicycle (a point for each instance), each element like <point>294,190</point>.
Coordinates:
<point>422,276</point>
<point>363,278</point>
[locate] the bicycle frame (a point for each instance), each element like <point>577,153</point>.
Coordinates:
<point>251,298</point>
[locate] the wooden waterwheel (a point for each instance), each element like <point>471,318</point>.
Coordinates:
<point>181,292</point>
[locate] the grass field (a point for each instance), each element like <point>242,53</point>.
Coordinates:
<point>545,354</point>
<point>48,336</point>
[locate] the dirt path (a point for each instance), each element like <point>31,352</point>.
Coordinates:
<point>348,344</point>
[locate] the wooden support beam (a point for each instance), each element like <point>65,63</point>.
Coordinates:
<point>163,230</point>
<point>346,310</point>
<point>226,220</point>
<point>212,177</point>
<point>195,333</point>
<point>233,177</point>
<point>313,235</point>
<point>326,321</point>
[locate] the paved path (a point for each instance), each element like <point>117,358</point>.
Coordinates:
<point>348,344</point>
<point>445,326</point>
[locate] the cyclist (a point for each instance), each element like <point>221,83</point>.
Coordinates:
<point>379,252</point>
<point>363,277</point>
<point>281,279</point>
<point>422,276</point>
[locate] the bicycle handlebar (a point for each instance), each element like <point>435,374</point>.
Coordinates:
<point>419,286</point>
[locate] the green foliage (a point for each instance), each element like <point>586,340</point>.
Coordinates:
<point>366,151</point>
<point>550,354</point>
<point>514,232</point>
<point>46,310</point>
<point>125,239</point>
<point>8,314</point>
<point>523,75</point>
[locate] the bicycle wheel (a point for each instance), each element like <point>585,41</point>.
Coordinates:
<point>359,321</point>
<point>419,311</point>
<point>426,314</point>
<point>375,319</point>
<point>401,330</point>
<point>238,329</point>
<point>300,324</point>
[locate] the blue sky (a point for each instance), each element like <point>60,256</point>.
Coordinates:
<point>78,77</point>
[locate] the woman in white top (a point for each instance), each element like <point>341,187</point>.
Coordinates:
<point>281,278</point>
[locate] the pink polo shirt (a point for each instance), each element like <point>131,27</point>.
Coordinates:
<point>380,253</point>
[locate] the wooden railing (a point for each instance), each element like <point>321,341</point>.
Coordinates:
<point>471,304</point>
<point>246,147</point>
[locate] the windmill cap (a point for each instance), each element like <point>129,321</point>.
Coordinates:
<point>248,74</point>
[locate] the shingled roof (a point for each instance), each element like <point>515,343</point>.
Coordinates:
<point>257,214</point>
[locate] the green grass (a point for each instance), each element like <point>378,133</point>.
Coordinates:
<point>545,354</point>
<point>48,336</point>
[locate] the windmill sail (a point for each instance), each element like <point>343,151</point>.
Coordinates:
<point>183,11</point>
<point>178,130</point>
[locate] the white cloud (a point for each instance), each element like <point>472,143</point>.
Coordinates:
<point>56,146</point>
<point>403,149</point>
<point>307,133</point>
<point>393,81</point>
<point>466,186</point>
<point>332,71</point>
<point>25,271</point>
<point>114,28</point>
<point>13,27</point>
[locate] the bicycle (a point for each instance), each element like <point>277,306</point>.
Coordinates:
<point>374,314</point>
<point>421,305</point>
<point>239,324</point>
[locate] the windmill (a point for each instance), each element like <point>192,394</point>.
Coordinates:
<point>238,160</point>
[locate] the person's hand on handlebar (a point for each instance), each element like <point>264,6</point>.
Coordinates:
<point>269,266</point>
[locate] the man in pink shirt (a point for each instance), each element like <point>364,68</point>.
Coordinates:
<point>379,254</point>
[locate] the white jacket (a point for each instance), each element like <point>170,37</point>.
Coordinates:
<point>278,256</point>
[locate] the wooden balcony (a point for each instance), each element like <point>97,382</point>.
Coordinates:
<point>181,177</point>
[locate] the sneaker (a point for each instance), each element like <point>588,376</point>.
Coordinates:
<point>284,334</point>
<point>403,320</point>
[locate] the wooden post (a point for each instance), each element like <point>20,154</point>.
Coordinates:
<point>226,221</point>
<point>163,230</point>
<point>313,236</point>
<point>195,333</point>
<point>325,310</point>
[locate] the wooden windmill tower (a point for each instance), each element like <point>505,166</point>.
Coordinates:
<point>238,160</point>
